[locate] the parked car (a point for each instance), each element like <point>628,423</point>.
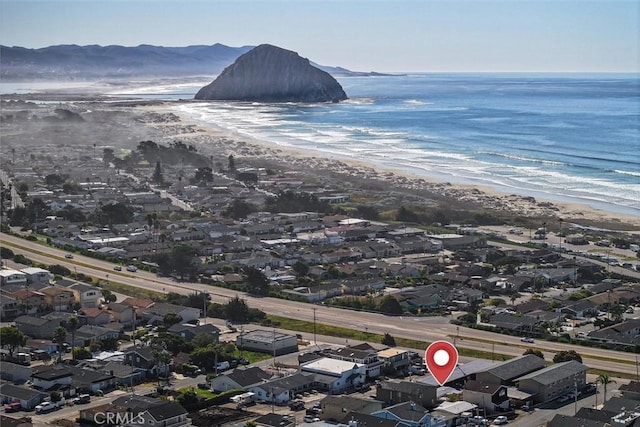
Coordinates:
<point>45,407</point>
<point>296,405</point>
<point>13,407</point>
<point>310,419</point>
<point>478,420</point>
<point>83,398</point>
<point>500,420</point>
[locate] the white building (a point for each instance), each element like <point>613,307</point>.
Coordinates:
<point>12,277</point>
<point>37,275</point>
<point>271,342</point>
<point>336,375</point>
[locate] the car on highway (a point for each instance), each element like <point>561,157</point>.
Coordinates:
<point>117,268</point>
<point>527,339</point>
<point>68,256</point>
<point>132,268</point>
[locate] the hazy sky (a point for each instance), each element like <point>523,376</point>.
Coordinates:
<point>365,35</point>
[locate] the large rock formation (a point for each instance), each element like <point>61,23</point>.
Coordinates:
<point>272,74</point>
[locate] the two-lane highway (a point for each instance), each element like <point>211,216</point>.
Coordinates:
<point>418,328</point>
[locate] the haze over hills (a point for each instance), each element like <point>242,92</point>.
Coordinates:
<point>73,62</point>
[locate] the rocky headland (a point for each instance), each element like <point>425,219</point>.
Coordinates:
<point>271,74</point>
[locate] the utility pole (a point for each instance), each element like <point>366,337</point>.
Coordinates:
<point>314,325</point>
<point>133,355</point>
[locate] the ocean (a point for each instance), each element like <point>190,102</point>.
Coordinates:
<point>572,138</point>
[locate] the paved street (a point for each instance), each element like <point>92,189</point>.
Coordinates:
<point>419,328</point>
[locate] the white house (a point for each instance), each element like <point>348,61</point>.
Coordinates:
<point>37,275</point>
<point>12,277</point>
<point>336,375</point>
<point>86,295</point>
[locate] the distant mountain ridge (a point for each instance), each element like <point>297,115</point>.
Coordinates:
<point>73,62</point>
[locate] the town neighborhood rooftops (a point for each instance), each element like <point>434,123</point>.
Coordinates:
<point>331,366</point>
<point>516,367</point>
<point>555,372</point>
<point>249,376</point>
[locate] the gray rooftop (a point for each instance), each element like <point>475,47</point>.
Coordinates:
<point>555,372</point>
<point>517,367</point>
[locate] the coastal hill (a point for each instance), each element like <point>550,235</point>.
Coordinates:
<point>271,74</point>
<point>73,62</point>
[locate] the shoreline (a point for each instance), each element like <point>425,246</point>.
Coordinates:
<point>209,137</point>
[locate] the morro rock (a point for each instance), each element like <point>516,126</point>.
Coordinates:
<point>271,74</point>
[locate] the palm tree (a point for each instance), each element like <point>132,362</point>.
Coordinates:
<point>604,379</point>
<point>59,337</point>
<point>72,325</point>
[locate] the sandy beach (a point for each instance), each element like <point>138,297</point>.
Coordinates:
<point>424,190</point>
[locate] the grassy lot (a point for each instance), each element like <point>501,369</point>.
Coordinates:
<point>251,356</point>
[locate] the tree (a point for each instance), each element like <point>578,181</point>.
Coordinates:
<point>202,339</point>
<point>390,305</point>
<point>59,337</point>
<point>388,340</point>
<point>80,353</point>
<point>231,163</point>
<point>301,268</point>
<point>203,175</point>
<point>604,379</point>
<point>108,296</point>
<point>239,209</point>
<point>116,213</point>
<point>567,355</point>
<point>182,259</point>
<point>257,282</point>
<point>12,338</point>
<point>157,177</point>
<point>171,319</point>
<point>237,310</point>
<point>162,358</point>
<point>533,351</point>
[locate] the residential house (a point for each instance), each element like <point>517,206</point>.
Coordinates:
<point>334,408</point>
<point>491,397</point>
<point>282,390</point>
<point>30,301</point>
<point>15,373</point>
<point>554,381</point>
<point>49,378</point>
<point>136,410</point>
<point>86,296</point>
<point>579,309</point>
<point>275,420</point>
<point>124,374</point>
<point>7,421</point>
<point>188,331</point>
<point>8,307</point>
<point>157,312</point>
<point>410,414</point>
<point>627,332</point>
<point>87,333</point>
<point>368,357</point>
<point>37,327</point>
<point>239,379</point>
<point>336,375</point>
<point>508,371</point>
<point>28,397</point>
<point>58,298</point>
<point>392,392</point>
<point>12,277</point>
<point>559,420</point>
<point>37,275</point>
<point>95,316</point>
<point>86,380</point>
<point>395,358</point>
<point>122,313</point>
<point>631,390</point>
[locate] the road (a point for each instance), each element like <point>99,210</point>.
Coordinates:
<point>418,328</point>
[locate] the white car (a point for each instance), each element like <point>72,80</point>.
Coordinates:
<point>45,407</point>
<point>500,420</point>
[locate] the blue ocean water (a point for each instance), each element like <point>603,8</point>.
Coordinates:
<point>561,137</point>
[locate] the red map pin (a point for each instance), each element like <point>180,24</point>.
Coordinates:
<point>441,358</point>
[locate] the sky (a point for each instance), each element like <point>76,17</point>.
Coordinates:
<point>362,35</point>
